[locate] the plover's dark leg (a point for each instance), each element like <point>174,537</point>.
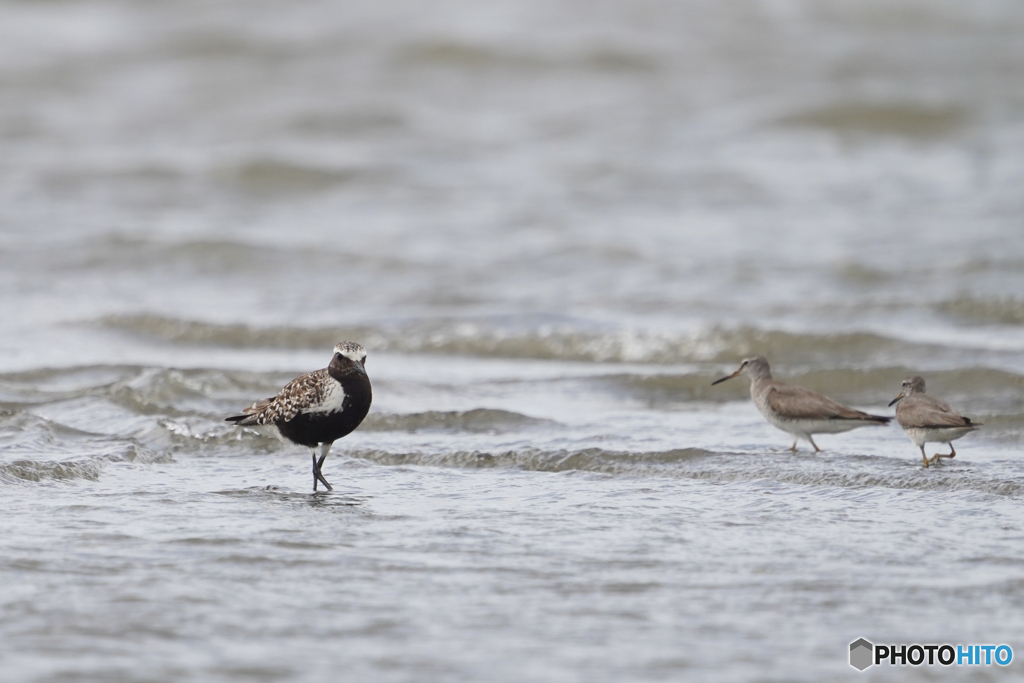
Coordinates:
<point>317,464</point>
<point>924,457</point>
<point>325,448</point>
<point>810,437</point>
<point>793,447</point>
<point>313,453</point>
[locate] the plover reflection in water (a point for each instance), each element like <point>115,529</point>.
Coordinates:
<point>925,418</point>
<point>798,411</point>
<point>318,408</point>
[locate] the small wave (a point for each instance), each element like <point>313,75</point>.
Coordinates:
<point>22,431</point>
<point>485,420</point>
<point>277,176</point>
<point>1004,311</point>
<point>34,448</point>
<point>907,119</point>
<point>460,54</point>
<point>237,336</point>
<point>182,393</point>
<point>151,177</point>
<point>53,384</point>
<point>488,338</point>
<point>856,472</point>
<point>219,257</point>
<point>1006,429</point>
<point>192,434</point>
<point>454,54</point>
<point>142,390</point>
<point>80,467</point>
<point>607,59</point>
<point>661,389</point>
<point>32,470</point>
<point>861,472</point>
<point>539,460</point>
<point>350,122</point>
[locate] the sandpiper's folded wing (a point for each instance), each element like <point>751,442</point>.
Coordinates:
<point>923,411</point>
<point>798,403</point>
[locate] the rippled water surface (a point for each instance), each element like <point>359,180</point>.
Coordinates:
<point>552,225</point>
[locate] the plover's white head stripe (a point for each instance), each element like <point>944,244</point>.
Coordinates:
<point>354,352</point>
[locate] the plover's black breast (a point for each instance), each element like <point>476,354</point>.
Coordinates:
<point>337,408</point>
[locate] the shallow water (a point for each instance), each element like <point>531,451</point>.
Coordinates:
<point>552,225</point>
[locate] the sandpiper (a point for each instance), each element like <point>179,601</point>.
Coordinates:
<point>925,418</point>
<point>796,410</point>
<point>318,408</point>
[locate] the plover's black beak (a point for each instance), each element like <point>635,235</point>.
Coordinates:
<point>719,381</point>
<point>360,366</point>
<point>896,400</point>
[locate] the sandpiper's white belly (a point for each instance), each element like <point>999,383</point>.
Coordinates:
<point>922,435</point>
<point>803,427</point>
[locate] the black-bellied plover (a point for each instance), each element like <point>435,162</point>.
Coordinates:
<point>318,408</point>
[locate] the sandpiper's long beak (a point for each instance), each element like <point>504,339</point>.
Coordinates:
<point>719,381</point>
<point>896,400</point>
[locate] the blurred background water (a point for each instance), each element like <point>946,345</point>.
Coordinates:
<point>552,224</point>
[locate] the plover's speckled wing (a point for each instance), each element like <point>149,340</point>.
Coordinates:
<point>301,394</point>
<point>793,402</point>
<point>924,411</point>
